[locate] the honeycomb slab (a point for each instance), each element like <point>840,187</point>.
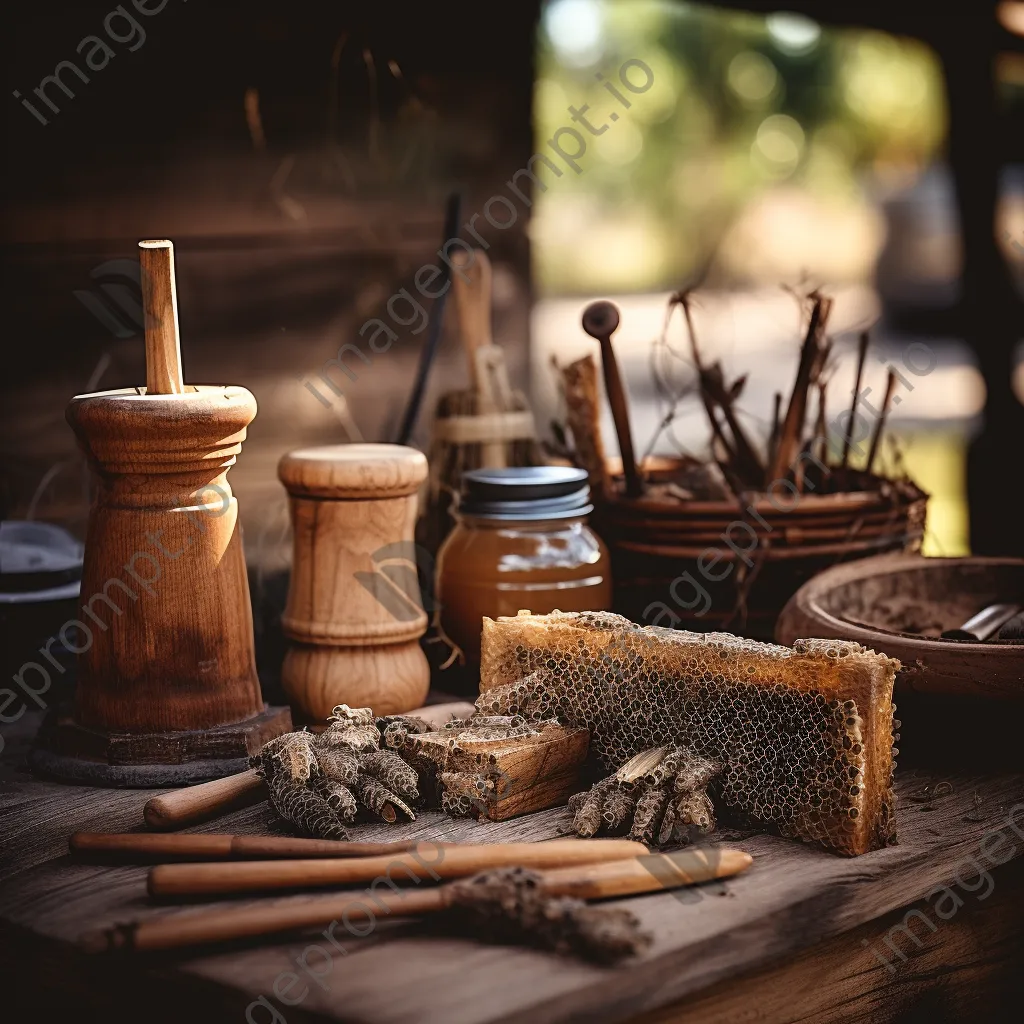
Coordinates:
<point>807,733</point>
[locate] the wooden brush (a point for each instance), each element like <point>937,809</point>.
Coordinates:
<point>429,860</point>
<point>623,877</point>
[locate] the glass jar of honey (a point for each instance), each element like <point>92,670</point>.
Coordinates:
<point>521,540</point>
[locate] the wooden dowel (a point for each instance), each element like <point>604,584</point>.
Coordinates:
<point>876,438</point>
<point>627,877</point>
<point>160,306</point>
<point>428,860</point>
<point>148,846</point>
<point>862,351</point>
<point>193,804</point>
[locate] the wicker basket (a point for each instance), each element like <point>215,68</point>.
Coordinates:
<point>733,564</point>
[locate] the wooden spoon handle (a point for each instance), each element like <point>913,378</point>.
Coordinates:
<point>652,873</point>
<point>160,305</point>
<point>620,416</point>
<point>187,806</point>
<point>428,860</point>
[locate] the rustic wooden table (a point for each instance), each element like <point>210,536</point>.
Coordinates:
<point>803,936</point>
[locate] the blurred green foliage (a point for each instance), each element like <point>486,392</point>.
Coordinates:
<point>742,107</point>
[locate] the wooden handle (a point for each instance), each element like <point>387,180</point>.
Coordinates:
<point>472,286</point>
<point>471,282</point>
<point>183,807</point>
<point>646,874</point>
<point>160,305</point>
<point>224,924</point>
<point>600,320</point>
<point>218,846</point>
<point>428,860</point>
<point>650,873</point>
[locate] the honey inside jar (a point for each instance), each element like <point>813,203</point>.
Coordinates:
<point>521,540</point>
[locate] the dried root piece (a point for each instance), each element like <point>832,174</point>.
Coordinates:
<point>508,904</point>
<point>355,728</point>
<point>658,796</point>
<point>376,797</point>
<point>305,808</point>
<point>340,800</point>
<point>337,762</point>
<point>320,782</point>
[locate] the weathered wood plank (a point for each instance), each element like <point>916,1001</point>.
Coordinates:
<point>970,968</point>
<point>794,897</point>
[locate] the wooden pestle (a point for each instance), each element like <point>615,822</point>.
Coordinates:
<point>183,807</point>
<point>160,307</point>
<point>625,877</point>
<point>148,846</point>
<point>429,860</point>
<point>600,321</point>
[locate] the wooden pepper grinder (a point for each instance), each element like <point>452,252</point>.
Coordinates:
<point>167,687</point>
<point>354,606</point>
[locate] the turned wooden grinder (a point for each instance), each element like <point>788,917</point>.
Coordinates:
<point>167,685</point>
<point>354,606</point>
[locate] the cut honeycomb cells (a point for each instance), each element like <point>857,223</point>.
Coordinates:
<point>805,733</point>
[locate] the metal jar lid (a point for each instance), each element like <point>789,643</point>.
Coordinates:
<point>526,493</point>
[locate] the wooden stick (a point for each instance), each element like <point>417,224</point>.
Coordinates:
<point>600,321</point>
<point>862,351</point>
<point>160,306</point>
<point>793,425</point>
<point>876,438</point>
<point>193,804</point>
<point>627,877</point>
<point>145,846</point>
<point>716,428</point>
<point>429,860</point>
<point>773,439</point>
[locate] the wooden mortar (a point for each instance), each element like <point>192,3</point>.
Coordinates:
<point>166,661</point>
<point>354,606</point>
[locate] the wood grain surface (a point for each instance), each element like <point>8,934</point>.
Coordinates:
<point>793,898</point>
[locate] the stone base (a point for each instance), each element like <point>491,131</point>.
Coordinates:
<point>69,751</point>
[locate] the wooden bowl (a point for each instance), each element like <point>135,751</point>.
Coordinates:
<point>899,604</point>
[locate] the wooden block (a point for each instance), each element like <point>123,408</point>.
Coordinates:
<point>504,777</point>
